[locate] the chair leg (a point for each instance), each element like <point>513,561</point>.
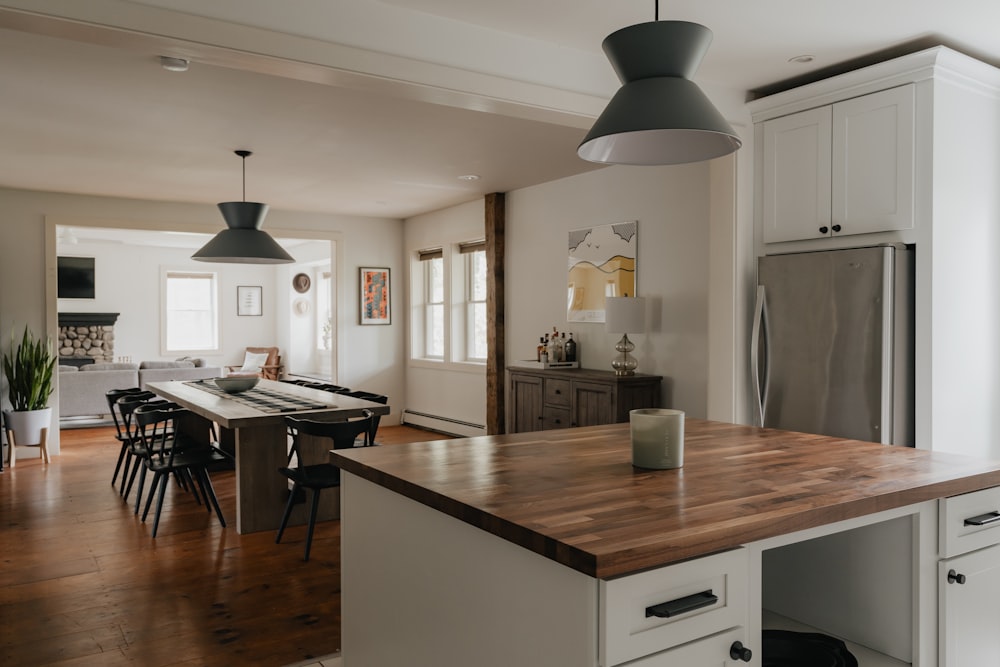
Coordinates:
<point>159,502</point>
<point>208,491</point>
<point>288,512</point>
<point>138,491</point>
<point>136,464</point>
<point>118,466</point>
<point>152,492</point>
<point>129,457</point>
<point>312,522</point>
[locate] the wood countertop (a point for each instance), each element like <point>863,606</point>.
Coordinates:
<point>572,495</point>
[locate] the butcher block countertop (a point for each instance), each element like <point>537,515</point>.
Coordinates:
<point>573,496</point>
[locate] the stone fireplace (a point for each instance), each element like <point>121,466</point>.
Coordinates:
<point>86,338</point>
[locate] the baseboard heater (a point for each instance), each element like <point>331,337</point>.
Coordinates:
<point>445,425</point>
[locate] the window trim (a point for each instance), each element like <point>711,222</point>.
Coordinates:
<point>166,274</point>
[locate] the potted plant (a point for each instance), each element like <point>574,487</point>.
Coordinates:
<point>28,367</point>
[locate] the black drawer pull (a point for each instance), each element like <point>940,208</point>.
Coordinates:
<point>682,605</point>
<point>983,519</point>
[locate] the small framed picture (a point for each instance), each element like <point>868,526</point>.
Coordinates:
<point>375,296</point>
<point>248,301</point>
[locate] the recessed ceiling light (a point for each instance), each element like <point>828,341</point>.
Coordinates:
<point>469,177</point>
<point>172,64</point>
<point>802,59</point>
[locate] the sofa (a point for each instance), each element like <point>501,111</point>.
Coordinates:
<point>82,390</point>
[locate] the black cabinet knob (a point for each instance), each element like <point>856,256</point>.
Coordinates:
<point>836,228</point>
<point>824,230</point>
<point>740,652</point>
<point>955,577</point>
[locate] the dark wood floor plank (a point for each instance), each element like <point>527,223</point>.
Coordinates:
<point>83,583</point>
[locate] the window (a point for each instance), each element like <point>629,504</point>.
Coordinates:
<point>475,300</point>
<point>190,311</point>
<point>433,299</point>
<point>448,292</point>
<point>324,316</point>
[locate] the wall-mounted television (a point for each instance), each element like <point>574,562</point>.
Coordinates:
<point>76,277</point>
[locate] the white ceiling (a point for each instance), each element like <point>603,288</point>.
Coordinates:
<point>504,90</point>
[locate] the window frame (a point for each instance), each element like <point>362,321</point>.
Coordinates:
<point>214,310</point>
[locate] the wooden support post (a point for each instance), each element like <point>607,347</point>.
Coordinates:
<point>495,215</point>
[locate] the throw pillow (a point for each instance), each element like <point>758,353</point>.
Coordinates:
<point>253,361</point>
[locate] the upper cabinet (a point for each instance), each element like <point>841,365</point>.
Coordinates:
<point>840,169</point>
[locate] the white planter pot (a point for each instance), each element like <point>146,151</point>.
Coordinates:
<point>27,426</point>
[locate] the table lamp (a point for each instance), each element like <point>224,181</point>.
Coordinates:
<point>624,314</point>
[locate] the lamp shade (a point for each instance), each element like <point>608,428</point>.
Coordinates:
<point>243,241</point>
<point>659,116</point>
<point>625,314</point>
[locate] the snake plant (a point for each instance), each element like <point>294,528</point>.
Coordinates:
<point>28,367</point>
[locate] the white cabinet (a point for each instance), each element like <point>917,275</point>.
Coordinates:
<point>969,612</point>
<point>840,169</point>
<point>969,579</point>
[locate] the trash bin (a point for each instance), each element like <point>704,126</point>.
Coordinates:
<point>784,648</point>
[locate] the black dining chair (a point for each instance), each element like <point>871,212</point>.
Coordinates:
<point>168,451</point>
<point>121,436</point>
<point>374,398</point>
<point>316,476</point>
<point>126,406</point>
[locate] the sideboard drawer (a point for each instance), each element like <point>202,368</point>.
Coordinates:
<point>557,392</point>
<point>968,522</point>
<point>701,597</point>
<point>555,418</point>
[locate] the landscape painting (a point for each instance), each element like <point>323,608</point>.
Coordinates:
<point>601,264</point>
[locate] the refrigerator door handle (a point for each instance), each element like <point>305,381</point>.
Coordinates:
<point>759,328</point>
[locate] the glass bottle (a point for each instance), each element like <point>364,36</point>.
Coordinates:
<point>540,347</point>
<point>554,348</point>
<point>569,348</point>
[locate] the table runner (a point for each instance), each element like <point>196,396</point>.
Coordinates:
<point>265,400</point>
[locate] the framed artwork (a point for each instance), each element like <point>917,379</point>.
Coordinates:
<point>601,264</point>
<point>248,301</point>
<point>375,296</point>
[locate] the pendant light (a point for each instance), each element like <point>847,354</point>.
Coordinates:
<point>659,115</point>
<point>243,242</point>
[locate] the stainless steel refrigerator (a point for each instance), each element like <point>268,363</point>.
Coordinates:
<point>832,343</point>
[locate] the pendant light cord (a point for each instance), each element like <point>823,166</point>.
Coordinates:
<point>656,11</point>
<point>245,155</point>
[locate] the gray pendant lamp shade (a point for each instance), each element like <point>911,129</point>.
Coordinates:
<point>659,116</point>
<point>243,241</point>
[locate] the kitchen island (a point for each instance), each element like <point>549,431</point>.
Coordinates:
<point>549,548</point>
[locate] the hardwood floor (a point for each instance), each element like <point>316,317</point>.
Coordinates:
<point>83,583</point>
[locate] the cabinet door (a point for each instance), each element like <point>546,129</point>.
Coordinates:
<point>526,396</point>
<point>796,178</point>
<point>969,613</point>
<point>873,167</point>
<point>593,404</point>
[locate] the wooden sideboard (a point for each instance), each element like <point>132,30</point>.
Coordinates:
<point>542,399</point>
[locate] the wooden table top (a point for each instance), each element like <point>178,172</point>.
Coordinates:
<point>573,496</point>
<point>233,414</point>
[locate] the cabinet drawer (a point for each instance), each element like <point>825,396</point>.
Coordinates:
<point>970,521</point>
<point>712,650</point>
<point>557,392</point>
<point>627,633</point>
<point>555,418</point>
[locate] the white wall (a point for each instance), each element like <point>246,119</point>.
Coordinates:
<point>369,357</point>
<point>448,389</point>
<point>671,205</point>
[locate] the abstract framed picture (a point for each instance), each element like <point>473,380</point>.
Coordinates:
<point>602,262</point>
<point>375,296</point>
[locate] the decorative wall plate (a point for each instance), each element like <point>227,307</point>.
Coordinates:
<point>300,306</point>
<point>301,282</point>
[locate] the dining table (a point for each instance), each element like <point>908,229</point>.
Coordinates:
<point>251,425</point>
